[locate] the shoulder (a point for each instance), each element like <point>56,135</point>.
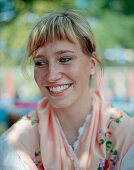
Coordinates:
<point>25,130</point>
<point>19,143</point>
<point>121,127</point>
<point>25,124</point>
<point>118,119</point>
<point>113,118</point>
<point>23,133</point>
<point>121,118</point>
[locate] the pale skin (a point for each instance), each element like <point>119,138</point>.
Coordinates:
<point>63,64</point>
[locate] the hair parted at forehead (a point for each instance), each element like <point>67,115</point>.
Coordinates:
<point>63,25</point>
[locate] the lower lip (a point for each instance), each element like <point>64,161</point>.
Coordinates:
<point>60,93</point>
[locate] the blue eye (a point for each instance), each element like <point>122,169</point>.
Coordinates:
<point>64,59</point>
<point>39,63</point>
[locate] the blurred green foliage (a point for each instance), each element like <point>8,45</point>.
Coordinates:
<point>112,22</point>
<point>115,30</point>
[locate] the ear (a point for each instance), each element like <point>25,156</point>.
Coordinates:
<point>93,63</point>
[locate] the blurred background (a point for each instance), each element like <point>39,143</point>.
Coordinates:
<point>112,22</point>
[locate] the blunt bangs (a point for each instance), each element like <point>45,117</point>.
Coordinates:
<point>55,28</point>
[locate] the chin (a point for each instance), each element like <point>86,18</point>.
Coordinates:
<point>59,104</point>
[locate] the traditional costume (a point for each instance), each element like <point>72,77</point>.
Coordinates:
<point>105,140</point>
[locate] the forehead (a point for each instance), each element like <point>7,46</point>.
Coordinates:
<point>59,46</point>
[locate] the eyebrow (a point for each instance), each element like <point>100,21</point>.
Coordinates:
<point>64,51</point>
<point>38,56</point>
<point>57,53</point>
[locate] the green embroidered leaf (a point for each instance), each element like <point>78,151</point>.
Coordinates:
<point>117,120</point>
<point>112,160</point>
<point>33,123</point>
<point>109,144</point>
<point>36,154</point>
<point>111,150</point>
<point>100,168</point>
<point>131,115</point>
<point>102,141</point>
<point>115,152</point>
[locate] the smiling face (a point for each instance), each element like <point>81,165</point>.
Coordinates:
<point>62,73</point>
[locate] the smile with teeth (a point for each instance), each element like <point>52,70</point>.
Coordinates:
<point>59,89</point>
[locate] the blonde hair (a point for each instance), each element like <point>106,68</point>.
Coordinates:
<point>63,25</point>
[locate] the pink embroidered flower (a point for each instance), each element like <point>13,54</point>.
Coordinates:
<point>41,167</point>
<point>108,134</point>
<point>119,113</point>
<point>27,116</point>
<point>106,166</point>
<point>104,138</point>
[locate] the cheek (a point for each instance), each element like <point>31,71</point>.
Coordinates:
<point>38,77</point>
<point>77,73</point>
<point>35,75</point>
<point>73,73</point>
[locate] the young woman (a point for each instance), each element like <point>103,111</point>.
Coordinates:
<point>73,128</point>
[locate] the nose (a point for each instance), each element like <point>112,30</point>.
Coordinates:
<point>54,73</point>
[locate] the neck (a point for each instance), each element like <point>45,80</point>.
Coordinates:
<point>72,118</point>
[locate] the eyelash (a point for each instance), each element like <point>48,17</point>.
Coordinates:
<point>39,63</point>
<point>64,59</point>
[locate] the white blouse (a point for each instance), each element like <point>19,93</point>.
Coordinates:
<point>9,159</point>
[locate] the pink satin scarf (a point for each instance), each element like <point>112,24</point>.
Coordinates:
<point>38,140</point>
